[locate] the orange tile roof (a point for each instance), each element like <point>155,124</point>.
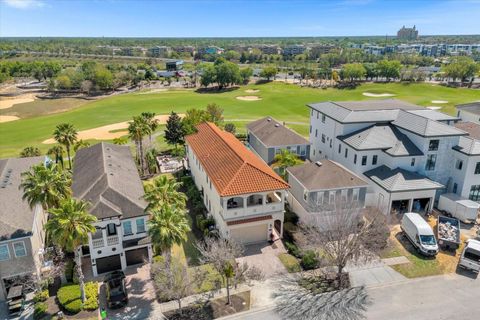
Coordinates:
<point>248,220</point>
<point>231,167</point>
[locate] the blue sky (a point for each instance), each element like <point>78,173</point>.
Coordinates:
<point>149,18</point>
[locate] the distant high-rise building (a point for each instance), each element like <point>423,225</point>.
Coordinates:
<point>407,33</point>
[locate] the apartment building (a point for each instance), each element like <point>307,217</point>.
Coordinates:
<point>243,194</point>
<point>22,235</point>
<point>407,154</point>
<point>106,176</point>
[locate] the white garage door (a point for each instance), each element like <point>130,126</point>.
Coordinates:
<point>251,234</point>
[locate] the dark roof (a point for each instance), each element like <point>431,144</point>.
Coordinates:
<point>325,175</point>
<point>382,136</point>
<point>384,104</point>
<point>473,107</point>
<point>434,115</point>
<point>16,216</point>
<point>272,133</point>
<point>425,127</point>
<point>468,146</point>
<point>471,128</point>
<point>106,176</point>
<point>394,180</point>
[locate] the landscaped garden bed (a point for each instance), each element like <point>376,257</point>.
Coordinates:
<point>70,300</point>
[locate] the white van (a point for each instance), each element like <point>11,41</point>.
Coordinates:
<point>470,258</point>
<point>420,234</point>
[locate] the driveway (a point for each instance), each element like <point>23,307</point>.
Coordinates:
<point>265,257</point>
<point>373,274</point>
<point>141,294</point>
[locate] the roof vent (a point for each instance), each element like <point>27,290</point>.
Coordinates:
<point>277,125</point>
<point>318,163</point>
<point>269,119</point>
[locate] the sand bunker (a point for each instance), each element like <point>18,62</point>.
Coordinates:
<point>434,108</point>
<point>104,132</point>
<point>7,102</point>
<point>378,95</point>
<point>439,101</point>
<point>249,98</point>
<point>8,118</point>
<point>252,90</point>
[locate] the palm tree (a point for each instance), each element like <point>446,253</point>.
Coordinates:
<point>69,226</point>
<point>163,191</point>
<point>66,135</point>
<point>30,152</point>
<point>137,129</point>
<point>80,144</point>
<point>57,152</point>
<point>151,160</point>
<point>167,226</point>
<point>151,122</point>
<point>285,159</point>
<point>45,185</point>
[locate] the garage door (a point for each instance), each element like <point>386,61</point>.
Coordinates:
<point>251,234</point>
<point>136,256</point>
<point>108,264</point>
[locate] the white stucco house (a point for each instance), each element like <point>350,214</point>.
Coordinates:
<point>409,155</point>
<point>106,176</point>
<point>242,193</point>
<point>469,112</point>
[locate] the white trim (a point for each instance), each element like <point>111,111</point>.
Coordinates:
<point>8,252</point>
<point>15,251</point>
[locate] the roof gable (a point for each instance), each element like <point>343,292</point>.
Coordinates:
<point>272,133</point>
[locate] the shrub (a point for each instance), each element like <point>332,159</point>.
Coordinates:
<point>309,260</point>
<point>288,230</point>
<point>199,220</point>
<point>39,310</point>
<point>290,262</point>
<point>41,296</point>
<point>291,217</point>
<point>241,136</point>
<point>91,296</point>
<point>69,298</point>
<point>293,249</point>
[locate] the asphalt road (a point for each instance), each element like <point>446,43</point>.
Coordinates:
<point>433,298</point>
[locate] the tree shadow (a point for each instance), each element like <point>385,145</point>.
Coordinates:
<point>217,89</point>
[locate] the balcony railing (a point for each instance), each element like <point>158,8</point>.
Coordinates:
<point>98,243</point>
<point>112,240</point>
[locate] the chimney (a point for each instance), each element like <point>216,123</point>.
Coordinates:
<point>318,163</point>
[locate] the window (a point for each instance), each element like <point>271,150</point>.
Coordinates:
<point>4,253</point>
<point>323,118</point>
<point>346,152</point>
<point>316,133</point>
<point>318,113</point>
<point>433,145</point>
<point>127,228</point>
<point>458,164</point>
<point>431,160</point>
<point>310,128</point>
<point>374,159</point>
<point>474,193</point>
<point>364,160</point>
<point>355,194</point>
<point>331,198</point>
<point>339,148</point>
<point>354,159</point>
<point>323,138</point>
<point>477,168</point>
<point>19,248</point>
<point>111,229</point>
<point>344,194</point>
<point>311,112</point>
<point>455,186</point>
<point>278,151</point>
<point>331,143</point>
<point>140,225</point>
<point>412,163</point>
<point>320,198</point>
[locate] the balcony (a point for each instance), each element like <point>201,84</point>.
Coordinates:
<point>112,240</point>
<point>253,205</point>
<point>98,243</point>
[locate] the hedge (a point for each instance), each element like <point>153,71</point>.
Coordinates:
<point>39,310</point>
<point>41,296</point>
<point>70,299</point>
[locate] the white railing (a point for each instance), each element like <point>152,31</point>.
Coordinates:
<point>97,243</point>
<point>112,240</point>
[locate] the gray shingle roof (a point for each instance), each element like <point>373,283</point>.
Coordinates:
<point>272,133</point>
<point>468,146</point>
<point>473,129</point>
<point>382,136</point>
<point>328,175</point>
<point>433,115</point>
<point>363,111</point>
<point>106,176</point>
<point>396,180</point>
<point>425,127</point>
<point>16,216</point>
<point>473,107</point>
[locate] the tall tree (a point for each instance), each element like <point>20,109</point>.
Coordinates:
<point>215,113</point>
<point>69,226</point>
<point>137,129</point>
<point>57,152</point>
<point>30,152</point>
<point>80,144</point>
<point>66,135</point>
<point>45,185</point>
<point>174,131</point>
<point>286,159</point>
<point>167,226</point>
<point>151,122</point>
<point>268,72</point>
<point>163,191</point>
<point>193,117</point>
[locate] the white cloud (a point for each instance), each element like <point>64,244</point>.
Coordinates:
<point>24,4</point>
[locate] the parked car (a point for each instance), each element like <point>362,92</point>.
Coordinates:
<point>448,232</point>
<point>116,289</point>
<point>419,233</point>
<point>470,258</point>
<point>463,209</point>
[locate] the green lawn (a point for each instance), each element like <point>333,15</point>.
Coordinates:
<point>283,101</point>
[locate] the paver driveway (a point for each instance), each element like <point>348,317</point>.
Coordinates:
<point>265,257</point>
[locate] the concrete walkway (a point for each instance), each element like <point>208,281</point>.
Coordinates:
<point>395,260</point>
<point>374,274</point>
